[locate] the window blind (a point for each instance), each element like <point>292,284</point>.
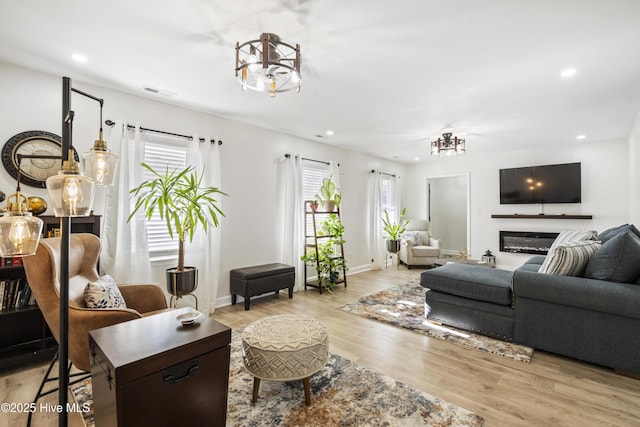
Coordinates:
<point>160,156</point>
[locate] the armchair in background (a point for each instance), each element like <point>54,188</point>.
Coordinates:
<point>418,246</point>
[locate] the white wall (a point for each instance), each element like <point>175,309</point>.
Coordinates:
<point>250,164</point>
<point>605,190</point>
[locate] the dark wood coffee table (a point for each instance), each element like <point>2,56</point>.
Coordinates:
<point>453,260</point>
<point>156,372</point>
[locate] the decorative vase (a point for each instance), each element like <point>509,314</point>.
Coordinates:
<point>183,282</point>
<point>393,246</point>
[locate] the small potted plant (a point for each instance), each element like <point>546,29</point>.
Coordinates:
<point>394,230</point>
<point>329,196</point>
<point>184,204</point>
<point>327,259</point>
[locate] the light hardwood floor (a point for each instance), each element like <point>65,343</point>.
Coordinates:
<point>551,390</point>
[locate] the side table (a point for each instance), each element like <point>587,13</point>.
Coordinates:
<point>156,372</point>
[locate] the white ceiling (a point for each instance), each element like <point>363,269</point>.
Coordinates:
<point>386,76</point>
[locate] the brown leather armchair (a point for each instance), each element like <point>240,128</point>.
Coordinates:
<point>42,270</point>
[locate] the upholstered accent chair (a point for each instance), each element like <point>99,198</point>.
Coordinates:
<point>42,270</point>
<point>418,246</point>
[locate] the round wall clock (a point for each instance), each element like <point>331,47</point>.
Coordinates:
<point>34,172</point>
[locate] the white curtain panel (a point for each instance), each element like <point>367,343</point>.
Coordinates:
<point>125,255</point>
<point>376,240</point>
<point>204,251</point>
<point>293,218</point>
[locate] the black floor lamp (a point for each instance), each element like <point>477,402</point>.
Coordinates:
<point>71,195</point>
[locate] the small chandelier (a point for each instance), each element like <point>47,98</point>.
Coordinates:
<point>447,146</point>
<point>268,65</point>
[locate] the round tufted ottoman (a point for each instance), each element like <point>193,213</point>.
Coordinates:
<point>285,348</point>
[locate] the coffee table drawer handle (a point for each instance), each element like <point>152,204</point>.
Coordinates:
<point>180,372</point>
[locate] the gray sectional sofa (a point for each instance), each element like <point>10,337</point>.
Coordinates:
<point>594,316</point>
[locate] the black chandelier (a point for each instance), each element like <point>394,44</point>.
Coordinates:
<point>448,146</point>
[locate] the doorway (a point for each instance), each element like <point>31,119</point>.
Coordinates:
<point>448,212</point>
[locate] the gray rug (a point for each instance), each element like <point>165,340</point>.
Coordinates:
<point>342,394</point>
<point>403,306</point>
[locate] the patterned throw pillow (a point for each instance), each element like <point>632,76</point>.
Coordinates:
<point>564,237</point>
<point>413,237</point>
<point>571,258</point>
<point>103,293</point>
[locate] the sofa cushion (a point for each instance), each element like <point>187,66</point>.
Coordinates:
<point>614,231</point>
<point>424,237</point>
<point>567,236</point>
<point>103,293</point>
<point>425,251</point>
<point>470,281</point>
<point>571,258</point>
<point>617,260</point>
<point>413,237</point>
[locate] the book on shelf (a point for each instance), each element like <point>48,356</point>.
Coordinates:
<point>15,293</point>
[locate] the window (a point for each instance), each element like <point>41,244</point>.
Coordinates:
<point>160,155</point>
<point>312,176</point>
<point>388,196</point>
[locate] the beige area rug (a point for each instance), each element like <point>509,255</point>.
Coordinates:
<point>403,306</point>
<point>342,394</point>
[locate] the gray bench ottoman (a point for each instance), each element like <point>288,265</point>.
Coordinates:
<point>257,280</point>
<point>471,297</point>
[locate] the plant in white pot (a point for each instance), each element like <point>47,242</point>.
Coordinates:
<point>184,204</point>
<point>329,196</point>
<point>394,230</point>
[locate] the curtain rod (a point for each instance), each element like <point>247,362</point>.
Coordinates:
<point>383,173</point>
<point>213,141</point>
<point>288,156</point>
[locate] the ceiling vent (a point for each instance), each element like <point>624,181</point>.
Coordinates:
<point>155,91</point>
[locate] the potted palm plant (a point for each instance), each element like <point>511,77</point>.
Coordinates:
<point>394,230</point>
<point>183,204</point>
<point>329,196</point>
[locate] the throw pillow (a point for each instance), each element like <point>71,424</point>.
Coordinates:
<point>413,237</point>
<point>616,260</point>
<point>103,293</point>
<point>571,258</point>
<point>564,237</point>
<point>613,232</point>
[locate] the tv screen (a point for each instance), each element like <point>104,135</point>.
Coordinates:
<point>541,184</point>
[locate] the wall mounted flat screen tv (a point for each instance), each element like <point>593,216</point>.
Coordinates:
<point>541,184</point>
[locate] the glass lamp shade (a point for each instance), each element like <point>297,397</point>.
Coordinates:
<point>19,234</point>
<point>71,194</point>
<point>101,166</point>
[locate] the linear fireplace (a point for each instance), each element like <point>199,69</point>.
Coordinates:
<point>526,242</point>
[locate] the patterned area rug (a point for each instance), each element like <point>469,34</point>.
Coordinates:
<point>403,305</point>
<point>342,394</point>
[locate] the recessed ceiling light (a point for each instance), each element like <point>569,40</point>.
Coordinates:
<point>416,158</point>
<point>581,137</point>
<point>329,133</point>
<point>79,57</point>
<point>568,72</point>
